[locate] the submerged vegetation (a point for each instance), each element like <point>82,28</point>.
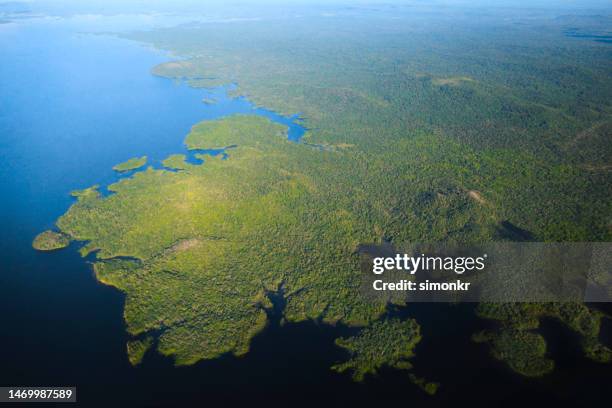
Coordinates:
<point>439,135</point>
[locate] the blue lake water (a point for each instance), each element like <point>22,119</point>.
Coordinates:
<point>72,105</point>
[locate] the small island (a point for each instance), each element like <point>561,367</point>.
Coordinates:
<point>524,351</point>
<point>132,164</point>
<point>50,240</point>
<point>389,342</point>
<point>518,343</point>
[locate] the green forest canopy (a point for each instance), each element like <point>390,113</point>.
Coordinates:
<point>435,133</point>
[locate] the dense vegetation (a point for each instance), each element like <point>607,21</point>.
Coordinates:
<point>432,132</point>
<point>383,343</point>
<point>50,240</point>
<point>132,164</point>
<point>532,104</point>
<point>523,351</point>
<point>516,342</point>
<point>136,349</point>
<point>175,162</point>
<point>197,250</point>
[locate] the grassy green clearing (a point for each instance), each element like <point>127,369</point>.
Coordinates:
<point>132,164</point>
<point>50,240</point>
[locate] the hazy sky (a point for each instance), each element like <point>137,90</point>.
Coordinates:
<point>263,7</point>
<point>178,5</point>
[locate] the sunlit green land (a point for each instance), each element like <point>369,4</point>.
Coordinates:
<point>132,164</point>
<point>431,138</point>
<point>50,240</point>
